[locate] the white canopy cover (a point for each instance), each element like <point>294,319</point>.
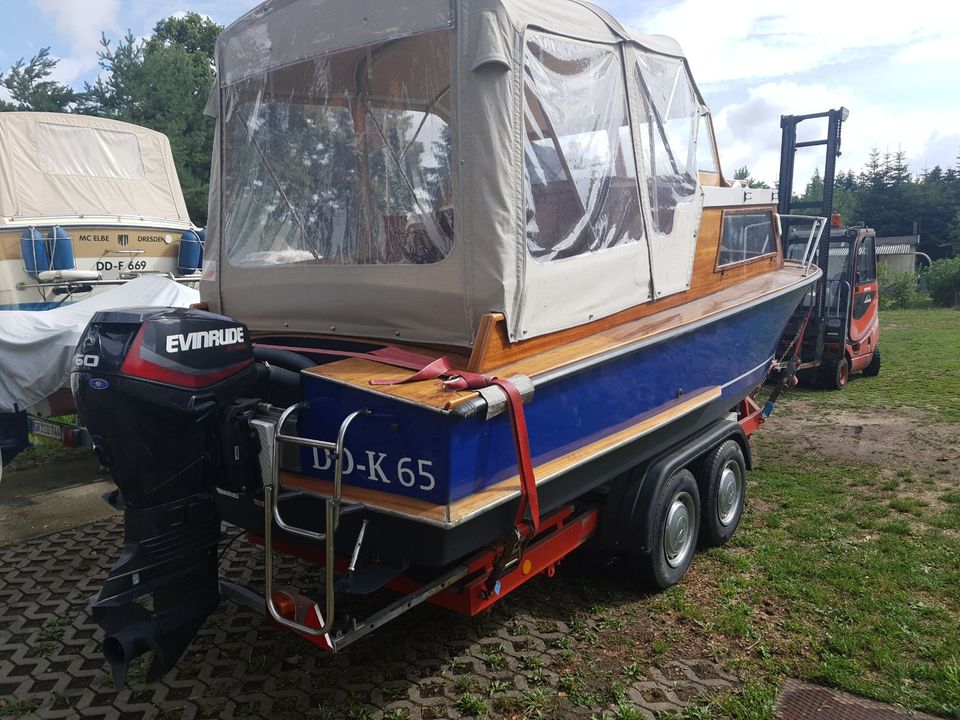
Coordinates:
<point>37,347</point>
<point>398,168</point>
<point>63,165</point>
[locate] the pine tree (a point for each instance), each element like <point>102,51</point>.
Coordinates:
<point>30,88</point>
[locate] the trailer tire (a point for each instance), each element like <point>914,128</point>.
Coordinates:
<point>675,531</point>
<point>835,373</point>
<point>873,369</point>
<point>722,478</point>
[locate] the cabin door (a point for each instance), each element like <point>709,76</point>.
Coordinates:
<point>864,316</point>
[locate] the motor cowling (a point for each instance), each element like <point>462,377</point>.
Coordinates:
<point>152,386</point>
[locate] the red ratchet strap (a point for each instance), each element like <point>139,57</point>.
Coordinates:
<point>521,442</point>
<point>463,380</point>
<point>431,369</point>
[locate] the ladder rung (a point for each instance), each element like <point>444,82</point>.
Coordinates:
<point>811,143</point>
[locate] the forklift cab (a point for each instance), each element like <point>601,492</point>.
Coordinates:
<point>845,326</point>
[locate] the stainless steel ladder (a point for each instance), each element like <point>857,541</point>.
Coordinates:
<point>332,503</point>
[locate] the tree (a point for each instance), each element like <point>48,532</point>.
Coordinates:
<point>31,89</point>
<point>953,233</point>
<point>162,83</point>
<point>743,173</point>
<point>192,32</point>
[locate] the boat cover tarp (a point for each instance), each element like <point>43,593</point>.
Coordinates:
<point>398,168</point>
<point>59,164</point>
<point>37,347</point>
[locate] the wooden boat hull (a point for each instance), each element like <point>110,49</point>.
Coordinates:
<point>578,412</point>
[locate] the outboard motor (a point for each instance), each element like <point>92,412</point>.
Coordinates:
<point>152,386</point>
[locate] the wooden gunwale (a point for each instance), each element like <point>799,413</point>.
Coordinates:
<point>357,372</point>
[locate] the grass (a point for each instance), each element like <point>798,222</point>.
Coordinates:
<point>920,350</point>
<point>843,572</point>
<point>44,450</point>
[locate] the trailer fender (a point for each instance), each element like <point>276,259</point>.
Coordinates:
<point>635,499</point>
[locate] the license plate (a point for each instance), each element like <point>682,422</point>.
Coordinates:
<point>46,429</point>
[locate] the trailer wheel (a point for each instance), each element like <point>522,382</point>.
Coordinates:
<point>676,528</point>
<point>723,488</point>
<point>835,373</point>
<point>873,369</point>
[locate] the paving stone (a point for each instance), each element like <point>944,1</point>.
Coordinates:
<point>240,666</point>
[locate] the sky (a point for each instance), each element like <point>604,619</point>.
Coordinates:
<point>895,66</point>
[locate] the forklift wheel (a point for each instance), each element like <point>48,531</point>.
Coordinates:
<point>834,374</point>
<point>873,369</point>
<point>722,478</point>
<point>676,526</point>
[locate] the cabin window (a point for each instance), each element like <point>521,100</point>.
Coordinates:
<point>668,125</point>
<point>746,236</point>
<point>346,159</point>
<point>88,152</point>
<point>579,171</point>
<point>866,261</point>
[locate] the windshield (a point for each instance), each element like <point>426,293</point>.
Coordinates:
<point>345,159</point>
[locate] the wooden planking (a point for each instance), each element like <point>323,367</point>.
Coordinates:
<point>396,504</point>
<point>90,250</point>
<point>457,355</point>
<point>493,348</point>
<point>477,503</point>
<point>651,325</point>
<point>358,372</point>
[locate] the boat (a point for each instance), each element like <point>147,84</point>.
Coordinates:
<point>476,291</point>
<point>87,203</point>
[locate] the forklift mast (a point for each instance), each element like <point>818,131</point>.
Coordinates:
<point>788,151</point>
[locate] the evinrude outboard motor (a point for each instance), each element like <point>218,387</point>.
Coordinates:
<point>151,386</point>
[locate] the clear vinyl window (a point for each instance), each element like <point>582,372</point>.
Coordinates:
<point>343,160</point>
<point>746,236</point>
<point>579,171</point>
<point>668,127</point>
<point>706,150</point>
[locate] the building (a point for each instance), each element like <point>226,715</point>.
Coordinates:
<point>899,252</point>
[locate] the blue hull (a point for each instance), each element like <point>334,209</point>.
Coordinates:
<point>441,457</point>
<point>32,306</point>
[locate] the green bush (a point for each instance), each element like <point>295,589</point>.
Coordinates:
<point>898,288</point>
<point>943,281</point>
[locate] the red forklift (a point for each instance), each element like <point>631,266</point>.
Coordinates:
<point>835,329</point>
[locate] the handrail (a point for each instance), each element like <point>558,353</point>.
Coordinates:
<point>332,507</point>
<point>813,241</point>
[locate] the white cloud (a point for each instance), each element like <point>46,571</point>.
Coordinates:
<point>748,133</point>
<point>787,58</point>
<point>79,24</point>
<point>754,39</point>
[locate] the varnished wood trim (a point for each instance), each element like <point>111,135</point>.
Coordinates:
<point>497,350</point>
<point>388,503</point>
<point>771,256</point>
<point>473,505</point>
<point>579,349</point>
<point>357,372</point>
<point>485,336</point>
